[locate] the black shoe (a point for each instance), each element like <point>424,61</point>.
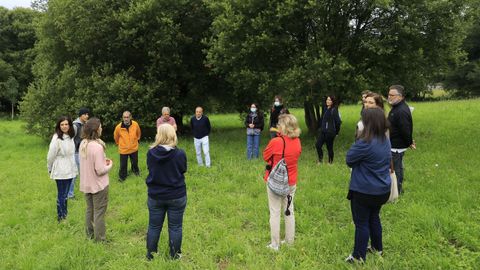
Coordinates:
<point>121,180</point>
<point>136,173</point>
<point>149,256</point>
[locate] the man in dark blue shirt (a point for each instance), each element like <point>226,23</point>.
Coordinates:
<point>201,129</point>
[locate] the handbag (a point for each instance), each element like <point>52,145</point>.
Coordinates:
<point>277,180</point>
<point>394,186</point>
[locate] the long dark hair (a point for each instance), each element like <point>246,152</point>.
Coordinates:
<point>58,130</point>
<point>90,129</point>
<point>334,101</point>
<point>375,124</point>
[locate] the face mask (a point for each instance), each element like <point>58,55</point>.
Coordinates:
<point>276,103</point>
<point>253,109</point>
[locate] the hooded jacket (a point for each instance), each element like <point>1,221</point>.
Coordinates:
<point>166,168</point>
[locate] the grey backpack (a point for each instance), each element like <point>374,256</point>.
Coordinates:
<point>278,177</point>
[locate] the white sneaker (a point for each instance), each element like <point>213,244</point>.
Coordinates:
<point>272,247</point>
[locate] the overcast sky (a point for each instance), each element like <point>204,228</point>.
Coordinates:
<point>14,3</point>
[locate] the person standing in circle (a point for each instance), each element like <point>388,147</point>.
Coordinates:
<point>167,193</point>
<point>166,118</point>
<point>277,109</point>
<point>126,135</point>
<point>94,181</point>
<point>61,162</point>
<point>200,125</point>
<point>83,115</point>
<point>254,124</point>
<point>369,157</point>
<point>329,124</point>
<point>287,144</point>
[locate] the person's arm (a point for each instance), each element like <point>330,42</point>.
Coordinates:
<point>405,123</point>
<point>209,127</point>
<point>139,132</point>
<point>271,117</point>
<point>268,152</point>
<point>100,163</point>
<point>338,121</point>
<point>356,153</point>
<point>116,134</point>
<point>52,152</point>
<point>174,123</point>
<point>75,129</point>
<point>183,162</point>
<point>246,122</point>
<point>191,123</point>
<point>261,122</point>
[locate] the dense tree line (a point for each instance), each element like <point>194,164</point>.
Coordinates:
<point>116,54</point>
<point>17,39</point>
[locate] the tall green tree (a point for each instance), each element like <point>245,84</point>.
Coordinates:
<point>306,49</point>
<point>10,92</point>
<point>17,39</point>
<point>115,55</point>
<point>464,79</point>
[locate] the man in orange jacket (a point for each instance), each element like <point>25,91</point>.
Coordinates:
<point>126,135</point>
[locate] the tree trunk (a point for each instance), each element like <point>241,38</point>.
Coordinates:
<point>312,114</point>
<point>13,110</point>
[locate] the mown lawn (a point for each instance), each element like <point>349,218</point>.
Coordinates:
<point>435,225</point>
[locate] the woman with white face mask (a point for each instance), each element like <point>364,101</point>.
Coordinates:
<point>254,125</point>
<point>277,109</point>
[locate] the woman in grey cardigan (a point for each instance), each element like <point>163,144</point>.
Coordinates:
<point>61,162</point>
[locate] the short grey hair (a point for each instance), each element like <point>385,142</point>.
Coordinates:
<point>165,110</point>
<point>400,89</point>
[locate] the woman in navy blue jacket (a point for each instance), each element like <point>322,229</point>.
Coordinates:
<point>329,126</point>
<point>167,194</point>
<point>369,157</point>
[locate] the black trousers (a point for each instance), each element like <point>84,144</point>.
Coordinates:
<point>124,166</point>
<point>325,138</point>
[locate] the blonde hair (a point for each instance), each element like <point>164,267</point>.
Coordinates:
<point>288,125</point>
<point>165,136</point>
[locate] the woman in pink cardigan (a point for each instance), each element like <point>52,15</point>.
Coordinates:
<point>94,168</point>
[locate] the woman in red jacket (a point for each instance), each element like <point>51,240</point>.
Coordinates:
<point>290,133</point>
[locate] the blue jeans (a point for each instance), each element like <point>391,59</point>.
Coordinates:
<point>253,143</point>
<point>398,167</point>
<point>157,209</point>
<point>367,226</point>
<point>62,187</point>
<point>71,190</point>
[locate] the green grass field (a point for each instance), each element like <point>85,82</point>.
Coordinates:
<point>435,225</point>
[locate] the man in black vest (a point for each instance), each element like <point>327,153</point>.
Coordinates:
<point>83,115</point>
<point>401,129</point>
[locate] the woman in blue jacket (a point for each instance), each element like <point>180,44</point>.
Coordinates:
<point>167,194</point>
<point>369,157</point>
<point>329,126</point>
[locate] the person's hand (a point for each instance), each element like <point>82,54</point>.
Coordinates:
<point>413,145</point>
